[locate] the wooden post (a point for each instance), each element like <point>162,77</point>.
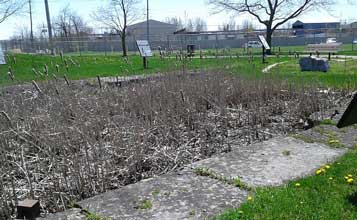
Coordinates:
<point>28,209</point>
<point>145,62</point>
<point>99,82</point>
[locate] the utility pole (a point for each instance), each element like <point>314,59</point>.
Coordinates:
<point>49,26</point>
<point>31,24</point>
<point>147,21</point>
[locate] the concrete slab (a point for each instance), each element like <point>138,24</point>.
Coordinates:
<point>179,196</point>
<point>331,135</point>
<point>72,214</point>
<point>272,162</point>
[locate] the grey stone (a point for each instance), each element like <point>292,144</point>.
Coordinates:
<point>314,64</point>
<point>345,137</point>
<point>177,196</point>
<point>272,162</point>
<point>72,214</point>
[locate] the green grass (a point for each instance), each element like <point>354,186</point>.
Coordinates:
<point>91,66</point>
<point>342,74</point>
<point>201,171</point>
<point>145,204</point>
<point>327,196</point>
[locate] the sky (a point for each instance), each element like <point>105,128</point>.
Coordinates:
<point>159,10</point>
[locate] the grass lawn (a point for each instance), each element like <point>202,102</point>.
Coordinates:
<point>89,66</point>
<point>325,196</point>
<point>342,74</point>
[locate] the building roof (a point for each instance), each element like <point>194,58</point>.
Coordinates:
<point>152,23</point>
<point>329,22</point>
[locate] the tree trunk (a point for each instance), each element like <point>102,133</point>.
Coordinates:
<point>123,44</point>
<point>269,34</point>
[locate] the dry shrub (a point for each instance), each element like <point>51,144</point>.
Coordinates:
<point>71,142</point>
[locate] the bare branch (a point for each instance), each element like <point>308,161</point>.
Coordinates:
<point>9,8</point>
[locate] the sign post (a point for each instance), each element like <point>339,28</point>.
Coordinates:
<point>2,58</point>
<point>145,51</point>
<point>265,46</point>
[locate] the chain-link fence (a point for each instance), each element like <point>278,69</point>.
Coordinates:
<point>108,44</point>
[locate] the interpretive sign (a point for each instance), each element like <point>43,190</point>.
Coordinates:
<point>2,58</point>
<point>264,42</point>
<point>350,115</point>
<point>144,48</point>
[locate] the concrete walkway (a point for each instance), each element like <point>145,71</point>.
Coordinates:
<point>205,188</point>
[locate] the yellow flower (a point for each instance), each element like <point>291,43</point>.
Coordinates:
<point>240,212</point>
<point>318,172</point>
<point>346,177</point>
<point>334,141</point>
<point>331,178</point>
<point>327,166</point>
<point>323,170</point>
<point>250,198</point>
<point>350,181</point>
<point>297,184</point>
<point>349,175</point>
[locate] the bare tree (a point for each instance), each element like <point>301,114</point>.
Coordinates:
<point>80,27</point>
<point>271,13</point>
<point>62,23</point>
<point>228,26</point>
<point>118,15</point>
<point>175,21</point>
<point>200,24</point>
<point>190,25</point>
<point>10,7</point>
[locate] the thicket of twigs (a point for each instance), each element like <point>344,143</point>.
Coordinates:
<point>61,143</point>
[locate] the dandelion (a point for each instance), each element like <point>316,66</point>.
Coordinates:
<point>250,198</point>
<point>346,177</point>
<point>350,181</point>
<point>240,212</point>
<point>331,178</point>
<point>327,167</point>
<point>297,184</point>
<point>318,172</point>
<point>349,175</point>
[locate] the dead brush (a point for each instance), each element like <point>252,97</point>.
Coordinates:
<point>67,147</point>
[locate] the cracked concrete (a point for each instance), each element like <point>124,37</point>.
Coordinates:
<point>272,162</point>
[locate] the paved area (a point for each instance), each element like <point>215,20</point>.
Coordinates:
<point>182,195</point>
<point>272,162</point>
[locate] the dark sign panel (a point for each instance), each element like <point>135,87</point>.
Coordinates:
<point>350,115</point>
<point>2,58</point>
<point>264,42</point>
<point>144,48</point>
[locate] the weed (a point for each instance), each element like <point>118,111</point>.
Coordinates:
<point>155,192</point>
<point>209,173</point>
<point>145,204</point>
<point>328,122</point>
<point>303,138</point>
<point>286,153</point>
<point>94,216</point>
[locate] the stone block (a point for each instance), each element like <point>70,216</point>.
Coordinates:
<point>314,64</point>
<point>28,209</point>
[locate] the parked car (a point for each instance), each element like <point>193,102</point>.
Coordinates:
<point>252,44</point>
<point>331,40</point>
<point>354,41</point>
